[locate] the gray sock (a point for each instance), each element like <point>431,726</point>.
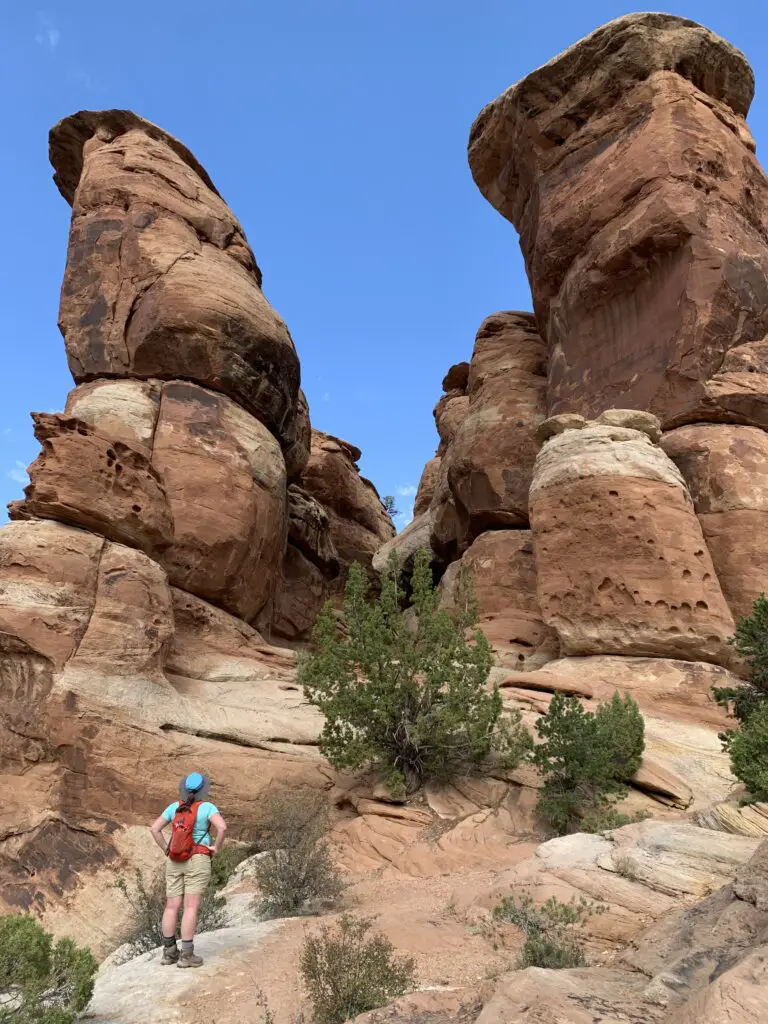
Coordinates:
<point>188,946</point>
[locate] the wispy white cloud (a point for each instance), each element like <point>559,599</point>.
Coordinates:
<point>7,431</point>
<point>326,396</point>
<point>406,490</point>
<point>19,473</point>
<point>402,519</point>
<point>47,34</point>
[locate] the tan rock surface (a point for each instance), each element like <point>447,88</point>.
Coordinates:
<point>95,482</point>
<point>450,412</point>
<point>726,470</point>
<point>494,448</point>
<point>502,570</point>
<point>628,168</point>
<point>156,256</point>
<point>622,564</point>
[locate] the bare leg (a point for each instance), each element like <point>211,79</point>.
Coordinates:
<point>189,917</point>
<point>171,915</point>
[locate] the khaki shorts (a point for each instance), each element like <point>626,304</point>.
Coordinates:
<point>188,877</point>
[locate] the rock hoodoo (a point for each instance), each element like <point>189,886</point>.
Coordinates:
<point>601,465</point>
<point>628,169</point>
<point>180,507</point>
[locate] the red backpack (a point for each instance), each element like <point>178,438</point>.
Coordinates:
<point>182,845</point>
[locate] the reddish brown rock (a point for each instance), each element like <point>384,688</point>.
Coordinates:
<point>93,481</point>
<point>302,593</point>
<point>224,477</point>
<point>622,564</point>
<point>502,570</point>
<point>359,524</point>
<point>726,470</point>
<point>427,486</point>
<point>48,580</point>
<point>457,378</point>
<point>449,526</point>
<point>450,412</point>
<point>629,171</point>
<point>160,280</point>
<point>493,451</point>
<point>298,440</point>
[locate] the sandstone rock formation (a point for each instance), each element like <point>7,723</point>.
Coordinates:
<point>357,521</point>
<point>726,470</point>
<point>167,517</point>
<point>622,566</point>
<point>628,169</point>
<point>493,450</point>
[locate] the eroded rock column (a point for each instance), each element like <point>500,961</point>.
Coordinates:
<point>622,565</point>
<point>627,167</point>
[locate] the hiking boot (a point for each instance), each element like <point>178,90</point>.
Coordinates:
<point>170,956</point>
<point>190,960</point>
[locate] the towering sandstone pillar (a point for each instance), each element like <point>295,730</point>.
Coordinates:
<point>167,520</point>
<point>627,167</point>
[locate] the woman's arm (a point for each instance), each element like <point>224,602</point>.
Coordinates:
<point>221,827</point>
<point>156,830</point>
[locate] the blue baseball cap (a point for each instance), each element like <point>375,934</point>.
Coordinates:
<point>193,782</point>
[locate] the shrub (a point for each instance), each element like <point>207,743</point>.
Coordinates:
<point>748,704</point>
<point>45,983</point>
<point>297,874</point>
<point>586,757</point>
<point>748,749</point>
<point>413,704</point>
<point>147,901</point>
<point>550,933</point>
<point>347,971</point>
<point>610,819</point>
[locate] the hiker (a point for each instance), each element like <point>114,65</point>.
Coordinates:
<point>188,867</point>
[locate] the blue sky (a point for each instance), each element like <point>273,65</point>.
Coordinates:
<point>337,132</point>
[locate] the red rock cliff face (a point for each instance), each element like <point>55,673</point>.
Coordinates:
<point>173,507</point>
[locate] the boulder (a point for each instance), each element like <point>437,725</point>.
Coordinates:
<point>621,561</point>
<point>627,167</point>
<point>301,594</point>
<point>726,470</point>
<point>160,281</point>
<point>493,450</point>
<point>416,536</point>
<point>501,567</point>
<point>358,521</point>
<point>91,480</point>
<point>224,476</point>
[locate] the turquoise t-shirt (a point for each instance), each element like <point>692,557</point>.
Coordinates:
<point>201,832</point>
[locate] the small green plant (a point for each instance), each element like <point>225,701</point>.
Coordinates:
<point>586,757</point>
<point>297,874</point>
<point>41,982</point>
<point>347,970</point>
<point>625,867</point>
<point>551,937</point>
<point>147,900</point>
<point>609,820</point>
<point>413,703</point>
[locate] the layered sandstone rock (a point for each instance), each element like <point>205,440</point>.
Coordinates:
<point>493,450</point>
<point>501,566</point>
<point>358,523</point>
<point>160,280</point>
<point>622,565</point>
<point>629,171</point>
<point>726,470</point>
<point>163,518</point>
